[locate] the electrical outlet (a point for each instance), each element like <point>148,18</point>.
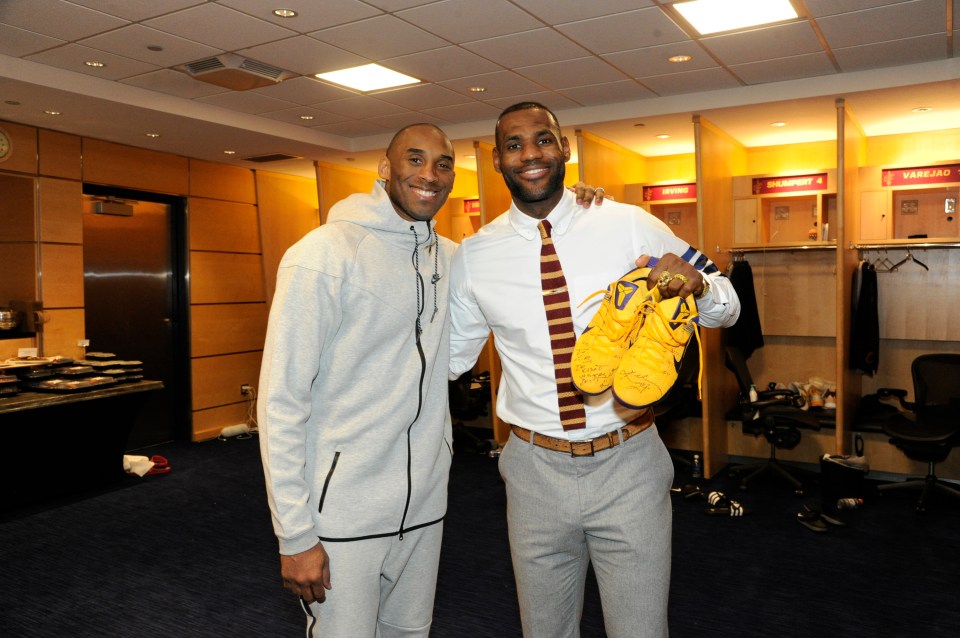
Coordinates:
<point>245,389</point>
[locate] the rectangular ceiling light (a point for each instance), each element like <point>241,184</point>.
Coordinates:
<point>714,16</point>
<point>369,77</point>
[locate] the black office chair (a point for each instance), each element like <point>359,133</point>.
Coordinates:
<point>932,427</point>
<point>776,414</point>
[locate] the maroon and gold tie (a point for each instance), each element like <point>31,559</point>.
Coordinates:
<point>556,302</point>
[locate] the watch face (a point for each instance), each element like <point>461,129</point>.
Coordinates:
<point>5,145</point>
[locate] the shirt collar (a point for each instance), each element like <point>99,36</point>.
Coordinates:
<point>560,217</point>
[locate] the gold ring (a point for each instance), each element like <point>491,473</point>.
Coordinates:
<point>682,278</point>
<point>664,280</point>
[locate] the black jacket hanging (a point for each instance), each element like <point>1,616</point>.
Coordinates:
<point>746,334</point>
<point>865,322</point>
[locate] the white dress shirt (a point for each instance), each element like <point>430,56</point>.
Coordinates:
<point>495,285</point>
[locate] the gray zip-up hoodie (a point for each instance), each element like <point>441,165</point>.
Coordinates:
<point>353,416</point>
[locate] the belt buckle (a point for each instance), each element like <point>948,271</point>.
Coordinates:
<point>573,448</point>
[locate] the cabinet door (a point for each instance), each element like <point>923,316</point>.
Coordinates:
<point>875,221</point>
<point>745,221</point>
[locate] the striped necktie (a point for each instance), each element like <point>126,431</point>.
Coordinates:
<point>556,302</point>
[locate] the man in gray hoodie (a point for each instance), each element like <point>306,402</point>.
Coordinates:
<point>354,424</point>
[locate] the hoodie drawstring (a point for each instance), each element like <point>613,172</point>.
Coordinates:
<point>431,234</point>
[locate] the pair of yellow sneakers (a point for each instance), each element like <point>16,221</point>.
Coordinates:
<point>635,342</point>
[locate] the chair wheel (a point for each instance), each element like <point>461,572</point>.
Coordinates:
<point>798,491</point>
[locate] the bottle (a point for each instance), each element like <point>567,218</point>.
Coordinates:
<point>695,470</point>
<point>849,503</point>
<point>753,393</point>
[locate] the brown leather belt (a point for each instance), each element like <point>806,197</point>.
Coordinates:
<point>591,446</point>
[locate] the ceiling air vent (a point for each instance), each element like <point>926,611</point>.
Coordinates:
<point>272,157</point>
<point>235,72</point>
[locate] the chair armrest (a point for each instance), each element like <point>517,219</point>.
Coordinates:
<point>900,394</point>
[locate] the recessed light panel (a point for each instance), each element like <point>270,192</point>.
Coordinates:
<point>369,77</point>
<point>714,16</point>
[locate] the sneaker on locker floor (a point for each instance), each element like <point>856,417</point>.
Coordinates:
<point>650,367</point>
<point>599,350</point>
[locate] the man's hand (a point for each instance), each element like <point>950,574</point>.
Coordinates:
<point>307,574</point>
<point>587,194</point>
<point>674,276</point>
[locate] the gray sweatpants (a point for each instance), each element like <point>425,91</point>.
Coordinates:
<point>612,509</point>
<point>381,588</point>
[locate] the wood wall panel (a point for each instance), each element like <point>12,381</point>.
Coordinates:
<point>796,292</point>
<point>604,163</point>
<point>23,140</point>
<point>221,181</point>
<point>61,211</point>
<point>207,424</point>
<point>217,380</point>
<point>913,149</point>
<point>10,348</point>
<point>225,278</point>
<point>719,158</point>
<point>906,310</point>
<point>129,167</point>
<point>18,263</point>
<point>671,168</point>
<point>60,154</point>
<point>63,328</point>
<point>227,328</point>
<point>61,278</point>
<point>18,210</point>
<point>334,183</point>
<point>217,225</point>
<point>802,157</point>
<point>288,211</point>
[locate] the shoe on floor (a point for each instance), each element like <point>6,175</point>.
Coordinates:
<point>811,520</point>
<point>600,349</point>
<point>650,367</point>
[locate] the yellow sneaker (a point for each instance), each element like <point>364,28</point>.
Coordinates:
<point>601,347</point>
<point>649,368</point>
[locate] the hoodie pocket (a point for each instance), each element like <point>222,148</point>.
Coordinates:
<point>326,481</point>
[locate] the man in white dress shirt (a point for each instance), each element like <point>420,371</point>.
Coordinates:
<point>605,501</point>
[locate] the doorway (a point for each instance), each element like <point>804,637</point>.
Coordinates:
<point>135,299</point>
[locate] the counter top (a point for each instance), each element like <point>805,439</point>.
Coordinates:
<point>31,400</point>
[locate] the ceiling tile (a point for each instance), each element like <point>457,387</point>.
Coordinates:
<point>356,128</point>
<point>294,116</point>
<point>465,112</point>
<point>788,68</point>
<point>304,55</point>
<point>894,22</point>
<point>607,93</point>
<point>690,82</point>
<point>420,97</point>
<point>132,41</point>
<point>625,31</point>
<point>246,102</point>
<point>561,75</point>
<point>525,49</point>
<point>499,84</point>
<point>467,20</point>
<point>555,12</point>
<point>654,60</point>
<point>220,27</point>
<point>174,83</point>
<point>72,22</point>
<point>304,90</point>
<point>311,14</point>
<point>16,42</point>
<point>819,8</point>
<point>137,10</point>
<point>398,121</point>
<point>896,53</point>
<point>361,106</point>
<point>397,5</point>
<point>441,64</point>
<point>780,41</point>
<point>380,37</point>
<point>74,56</point>
<point>553,101</point>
